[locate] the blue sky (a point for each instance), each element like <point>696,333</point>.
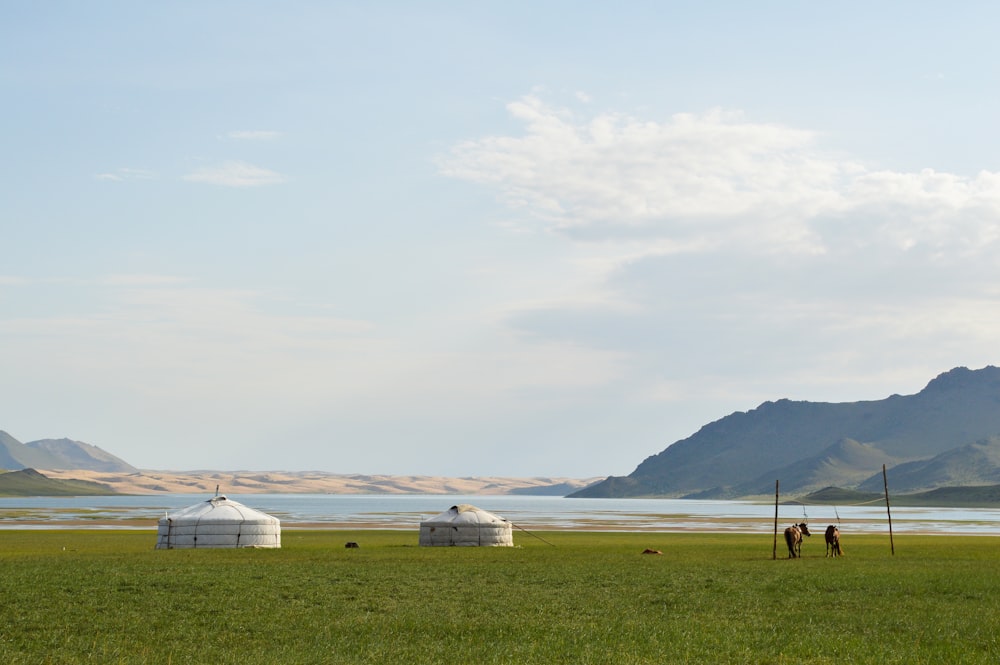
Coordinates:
<point>483,238</point>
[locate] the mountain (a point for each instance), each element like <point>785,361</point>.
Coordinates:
<point>811,445</point>
<point>973,464</point>
<point>28,482</point>
<point>16,455</point>
<point>79,455</point>
<point>837,465</point>
<point>57,454</point>
<point>972,496</point>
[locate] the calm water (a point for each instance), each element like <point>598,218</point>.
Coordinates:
<point>528,512</point>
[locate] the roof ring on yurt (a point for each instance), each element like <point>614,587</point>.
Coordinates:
<point>218,522</point>
<point>465,525</point>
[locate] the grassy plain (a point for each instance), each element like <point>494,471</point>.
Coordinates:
<point>108,597</point>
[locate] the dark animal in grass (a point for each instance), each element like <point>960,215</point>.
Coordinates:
<point>793,538</point>
<point>352,545</point>
<point>833,547</point>
<point>649,551</point>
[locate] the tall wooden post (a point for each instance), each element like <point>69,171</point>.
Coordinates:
<point>774,550</point>
<point>885,483</point>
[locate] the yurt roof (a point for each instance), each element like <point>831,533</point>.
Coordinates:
<point>465,512</point>
<point>220,509</point>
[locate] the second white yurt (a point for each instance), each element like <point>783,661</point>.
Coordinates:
<point>217,522</point>
<point>466,525</point>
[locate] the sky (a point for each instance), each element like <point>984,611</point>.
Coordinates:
<point>484,239</point>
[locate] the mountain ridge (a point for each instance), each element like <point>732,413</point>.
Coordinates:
<point>57,454</point>
<point>806,445</point>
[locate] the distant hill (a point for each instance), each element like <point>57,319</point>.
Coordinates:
<point>973,464</point>
<point>16,455</point>
<point>967,496</point>
<point>66,459</point>
<point>318,482</point>
<point>28,482</point>
<point>555,489</point>
<point>837,465</point>
<point>57,454</point>
<point>948,434</point>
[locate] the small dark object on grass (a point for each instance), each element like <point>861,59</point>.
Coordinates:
<point>352,545</point>
<point>649,551</point>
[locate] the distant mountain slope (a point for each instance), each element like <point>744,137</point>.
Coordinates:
<point>810,445</point>
<point>973,464</point>
<point>966,496</point>
<point>28,482</point>
<point>79,455</point>
<point>57,454</point>
<point>844,464</point>
<point>16,455</point>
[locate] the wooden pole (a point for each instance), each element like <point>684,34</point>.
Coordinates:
<point>774,550</point>
<point>885,482</point>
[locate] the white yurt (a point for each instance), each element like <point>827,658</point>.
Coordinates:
<point>466,525</point>
<point>218,522</point>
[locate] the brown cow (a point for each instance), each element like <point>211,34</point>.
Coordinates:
<point>793,538</point>
<point>833,547</point>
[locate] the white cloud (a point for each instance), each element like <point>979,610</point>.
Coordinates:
<point>12,280</point>
<point>743,257</point>
<point>143,280</point>
<point>196,363</point>
<point>123,174</point>
<point>695,182</point>
<point>254,135</point>
<point>235,174</point>
<point>194,340</point>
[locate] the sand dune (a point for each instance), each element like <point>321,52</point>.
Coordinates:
<point>314,482</point>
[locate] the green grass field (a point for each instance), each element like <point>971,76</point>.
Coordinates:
<point>108,597</point>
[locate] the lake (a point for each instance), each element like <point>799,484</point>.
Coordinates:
<point>526,512</point>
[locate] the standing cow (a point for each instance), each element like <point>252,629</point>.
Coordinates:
<point>793,538</point>
<point>833,547</point>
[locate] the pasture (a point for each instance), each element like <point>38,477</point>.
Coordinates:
<point>108,597</point>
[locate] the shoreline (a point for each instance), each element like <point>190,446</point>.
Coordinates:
<point>736,527</point>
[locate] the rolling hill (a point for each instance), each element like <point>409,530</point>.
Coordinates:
<point>28,482</point>
<point>973,464</point>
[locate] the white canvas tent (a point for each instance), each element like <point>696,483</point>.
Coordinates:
<point>466,525</point>
<point>218,522</point>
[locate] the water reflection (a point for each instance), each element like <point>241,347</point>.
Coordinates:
<point>529,512</point>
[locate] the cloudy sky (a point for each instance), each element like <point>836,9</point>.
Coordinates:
<point>488,238</point>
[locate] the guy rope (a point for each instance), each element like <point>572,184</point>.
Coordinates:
<point>532,534</point>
